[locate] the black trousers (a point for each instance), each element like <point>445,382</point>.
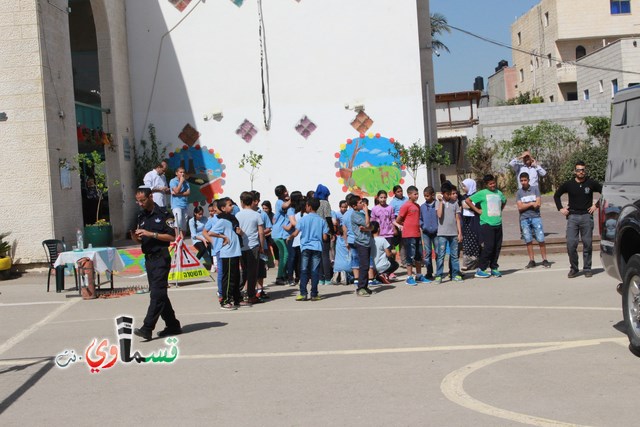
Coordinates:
<point>364,253</point>
<point>249,263</point>
<point>158,266</point>
<point>231,280</point>
<point>204,251</point>
<point>491,239</point>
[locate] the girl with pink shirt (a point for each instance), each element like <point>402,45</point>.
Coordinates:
<point>384,215</point>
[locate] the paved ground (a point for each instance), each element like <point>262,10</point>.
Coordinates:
<point>532,347</point>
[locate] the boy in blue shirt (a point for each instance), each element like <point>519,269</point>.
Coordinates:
<point>228,229</point>
<point>429,226</point>
<point>313,231</point>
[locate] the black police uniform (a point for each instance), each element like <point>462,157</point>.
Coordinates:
<point>158,264</point>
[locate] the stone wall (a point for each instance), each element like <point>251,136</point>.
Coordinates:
<point>498,123</point>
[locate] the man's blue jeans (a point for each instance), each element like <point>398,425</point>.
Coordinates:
<point>310,267</point>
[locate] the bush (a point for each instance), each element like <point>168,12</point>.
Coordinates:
<point>480,154</point>
<point>148,155</point>
<point>594,156</point>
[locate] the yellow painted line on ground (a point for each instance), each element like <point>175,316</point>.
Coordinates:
<point>453,384</point>
<point>18,304</point>
<point>370,351</point>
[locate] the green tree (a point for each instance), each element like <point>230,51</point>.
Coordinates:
<point>93,165</point>
<point>439,26</point>
<point>253,161</point>
<point>147,155</point>
<point>549,143</point>
<point>598,128</point>
<point>417,156</point>
<point>480,154</point>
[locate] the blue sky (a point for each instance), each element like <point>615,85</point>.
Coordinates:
<point>469,56</point>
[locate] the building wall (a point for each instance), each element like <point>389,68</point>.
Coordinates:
<point>115,88</point>
<point>621,55</point>
<point>319,61</point>
<point>36,92</point>
<point>592,28</point>
<point>498,123</point>
<point>501,86</point>
<point>35,77</point>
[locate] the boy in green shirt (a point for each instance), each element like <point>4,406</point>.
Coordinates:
<point>491,201</point>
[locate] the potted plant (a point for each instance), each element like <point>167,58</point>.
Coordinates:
<point>5,258</point>
<point>100,233</point>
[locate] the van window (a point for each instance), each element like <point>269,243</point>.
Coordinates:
<point>620,115</point>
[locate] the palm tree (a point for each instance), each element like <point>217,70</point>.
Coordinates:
<point>439,25</point>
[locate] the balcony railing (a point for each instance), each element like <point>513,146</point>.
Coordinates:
<point>566,73</point>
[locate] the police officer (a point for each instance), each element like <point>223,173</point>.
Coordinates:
<point>155,231</point>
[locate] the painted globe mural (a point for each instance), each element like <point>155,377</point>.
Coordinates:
<point>205,171</point>
<point>369,164</point>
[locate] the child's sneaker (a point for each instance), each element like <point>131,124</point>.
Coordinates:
<point>421,279</point>
<point>411,281</point>
<point>496,273</point>
<point>392,276</point>
<point>384,279</point>
<point>373,282</point>
<point>316,298</point>
<point>437,280</point>
<point>301,298</point>
<point>458,279</point>
<point>546,264</point>
<point>482,274</point>
<point>531,264</point>
<point>227,307</point>
<point>362,292</point>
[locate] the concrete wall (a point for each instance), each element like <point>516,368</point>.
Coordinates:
<point>498,123</point>
<point>321,57</point>
<point>35,82</point>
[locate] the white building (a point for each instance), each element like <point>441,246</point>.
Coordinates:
<point>293,81</point>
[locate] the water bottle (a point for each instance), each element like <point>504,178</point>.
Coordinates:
<point>79,239</point>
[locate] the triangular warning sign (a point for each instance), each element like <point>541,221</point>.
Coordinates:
<point>184,264</point>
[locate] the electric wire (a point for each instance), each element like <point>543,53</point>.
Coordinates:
<point>264,70</point>
<point>561,61</point>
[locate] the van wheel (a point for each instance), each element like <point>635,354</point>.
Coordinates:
<point>631,303</point>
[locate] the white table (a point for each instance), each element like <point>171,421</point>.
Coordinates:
<point>105,260</point>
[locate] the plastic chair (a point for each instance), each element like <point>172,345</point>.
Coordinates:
<point>52,248</point>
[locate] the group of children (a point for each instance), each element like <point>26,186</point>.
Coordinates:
<point>317,246</point>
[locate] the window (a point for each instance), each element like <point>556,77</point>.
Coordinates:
<point>572,96</point>
<point>600,86</point>
<point>585,94</point>
<point>580,52</point>
<point>548,60</point>
<point>521,75</point>
<point>620,6</point>
<point>546,19</point>
<point>614,87</point>
<point>531,65</point>
<point>550,98</point>
<point>519,39</point>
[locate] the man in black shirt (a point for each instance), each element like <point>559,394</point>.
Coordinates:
<point>155,232</point>
<point>579,213</point>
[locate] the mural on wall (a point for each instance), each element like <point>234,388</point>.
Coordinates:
<point>205,169</point>
<point>368,164</point>
<point>180,4</point>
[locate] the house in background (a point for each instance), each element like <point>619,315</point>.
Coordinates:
<point>457,121</point>
<point>554,34</point>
